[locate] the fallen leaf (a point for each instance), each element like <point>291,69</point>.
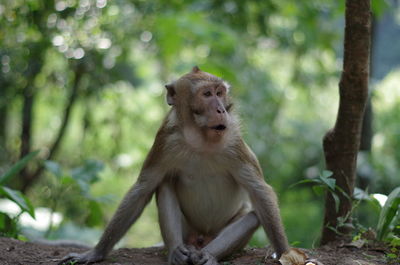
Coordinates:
<point>293,257</point>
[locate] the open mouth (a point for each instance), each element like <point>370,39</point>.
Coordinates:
<point>219,127</point>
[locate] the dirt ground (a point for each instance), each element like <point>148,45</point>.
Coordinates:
<point>15,252</point>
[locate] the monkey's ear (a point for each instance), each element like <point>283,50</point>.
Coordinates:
<point>195,69</point>
<point>171,94</point>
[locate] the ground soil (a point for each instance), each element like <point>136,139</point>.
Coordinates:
<point>15,252</point>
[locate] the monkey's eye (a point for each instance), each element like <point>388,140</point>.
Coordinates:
<point>219,93</point>
<point>207,94</point>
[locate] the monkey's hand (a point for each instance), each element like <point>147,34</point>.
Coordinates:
<point>87,257</point>
<point>202,257</point>
<point>179,256</point>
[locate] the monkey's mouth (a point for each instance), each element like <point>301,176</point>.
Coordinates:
<point>219,127</point>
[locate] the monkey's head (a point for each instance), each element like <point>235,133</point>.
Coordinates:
<point>201,99</point>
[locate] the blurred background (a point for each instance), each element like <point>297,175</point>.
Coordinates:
<point>82,81</point>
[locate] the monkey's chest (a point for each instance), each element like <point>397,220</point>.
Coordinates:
<point>209,197</point>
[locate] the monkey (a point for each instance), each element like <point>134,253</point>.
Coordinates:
<point>210,191</point>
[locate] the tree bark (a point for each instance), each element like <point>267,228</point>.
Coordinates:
<point>3,119</point>
<point>367,131</point>
<point>341,143</point>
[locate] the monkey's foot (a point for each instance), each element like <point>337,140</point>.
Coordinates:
<point>179,256</point>
<point>202,257</point>
<point>88,257</point>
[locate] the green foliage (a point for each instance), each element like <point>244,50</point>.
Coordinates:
<point>387,225</point>
<point>393,256</point>
<point>324,183</point>
<point>8,224</point>
<point>281,58</point>
<point>386,156</point>
<point>4,178</point>
<point>389,215</point>
<point>379,7</point>
<point>19,199</point>
<point>76,183</point>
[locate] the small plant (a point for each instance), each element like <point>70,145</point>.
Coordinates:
<point>394,255</point>
<point>75,183</point>
<point>389,215</point>
<point>324,183</point>
<point>9,223</point>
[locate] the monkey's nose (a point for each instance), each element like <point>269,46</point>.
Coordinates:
<point>221,111</point>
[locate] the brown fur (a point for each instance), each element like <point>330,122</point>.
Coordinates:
<point>211,192</point>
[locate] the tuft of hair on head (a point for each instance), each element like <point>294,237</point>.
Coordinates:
<point>195,69</point>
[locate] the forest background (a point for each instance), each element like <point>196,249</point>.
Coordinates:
<point>82,81</point>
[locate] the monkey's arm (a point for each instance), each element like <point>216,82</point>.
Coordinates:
<point>128,211</point>
<point>131,206</point>
<point>263,198</point>
<point>170,218</point>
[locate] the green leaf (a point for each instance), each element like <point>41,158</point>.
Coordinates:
<point>88,172</point>
<point>326,174</point>
<point>17,167</point>
<point>54,168</point>
<point>327,180</point>
<point>374,204</point>
<point>337,201</point>
<point>303,182</point>
<point>67,180</point>
<point>379,6</point>
<point>3,217</point>
<point>360,194</point>
<point>84,186</point>
<point>343,192</point>
<point>319,190</point>
<point>8,226</point>
<point>389,211</point>
<point>95,216</point>
<point>395,242</point>
<point>19,199</point>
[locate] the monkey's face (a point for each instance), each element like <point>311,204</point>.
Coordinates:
<point>210,108</point>
<point>201,100</point>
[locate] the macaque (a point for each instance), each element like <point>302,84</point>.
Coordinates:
<point>210,190</point>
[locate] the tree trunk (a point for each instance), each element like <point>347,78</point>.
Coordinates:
<point>3,119</point>
<point>341,143</point>
<point>31,177</point>
<point>27,115</point>
<point>367,131</point>
<point>29,94</point>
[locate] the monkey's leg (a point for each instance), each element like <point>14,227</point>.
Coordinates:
<point>171,225</point>
<point>233,237</point>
